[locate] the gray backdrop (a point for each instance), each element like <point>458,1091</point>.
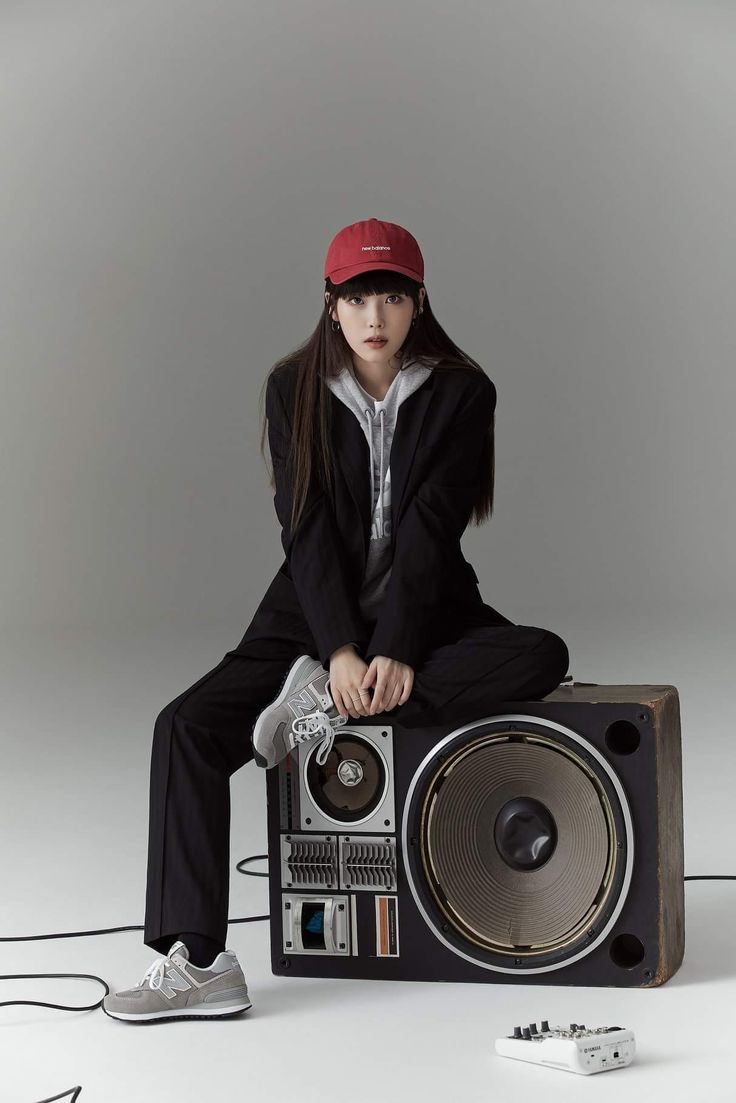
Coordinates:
<point>170,176</point>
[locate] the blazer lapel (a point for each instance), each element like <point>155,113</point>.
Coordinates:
<point>409,421</point>
<point>351,449</point>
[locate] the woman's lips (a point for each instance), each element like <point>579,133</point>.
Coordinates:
<point>379,341</point>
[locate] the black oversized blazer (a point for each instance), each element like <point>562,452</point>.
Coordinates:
<point>435,475</point>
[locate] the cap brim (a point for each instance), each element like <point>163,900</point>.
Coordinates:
<point>340,275</point>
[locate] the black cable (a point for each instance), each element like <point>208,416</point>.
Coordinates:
<point>62,1095</point>
<point>115,930</point>
<point>710,877</point>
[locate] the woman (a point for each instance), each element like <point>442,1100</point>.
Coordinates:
<point>381,436</point>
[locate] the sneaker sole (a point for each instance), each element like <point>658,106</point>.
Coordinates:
<point>175,1013</point>
<point>292,676</point>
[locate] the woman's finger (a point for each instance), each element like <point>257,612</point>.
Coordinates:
<point>339,702</point>
<point>406,692</point>
<point>355,699</point>
<point>394,699</point>
<point>363,701</point>
<point>377,702</point>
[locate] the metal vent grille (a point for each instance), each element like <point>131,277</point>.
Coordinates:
<point>308,861</point>
<point>368,864</point>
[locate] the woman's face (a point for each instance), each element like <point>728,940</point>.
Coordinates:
<point>387,315</point>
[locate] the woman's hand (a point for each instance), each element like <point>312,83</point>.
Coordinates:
<point>346,675</point>
<point>351,679</point>
<point>393,683</point>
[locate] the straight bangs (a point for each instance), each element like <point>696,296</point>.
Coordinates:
<point>377,281</point>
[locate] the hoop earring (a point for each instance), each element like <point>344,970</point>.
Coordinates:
<point>335,326</point>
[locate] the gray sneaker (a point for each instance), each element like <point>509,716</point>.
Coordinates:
<point>303,710</point>
<point>173,988</point>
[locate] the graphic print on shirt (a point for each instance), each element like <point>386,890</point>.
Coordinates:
<point>376,532</point>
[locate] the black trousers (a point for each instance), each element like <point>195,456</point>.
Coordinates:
<point>203,736</point>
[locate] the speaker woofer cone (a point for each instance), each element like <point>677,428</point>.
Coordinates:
<point>520,844</point>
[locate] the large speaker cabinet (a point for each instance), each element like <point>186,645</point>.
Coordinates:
<point>542,844</point>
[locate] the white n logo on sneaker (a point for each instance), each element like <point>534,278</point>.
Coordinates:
<point>302,704</point>
<point>173,982</point>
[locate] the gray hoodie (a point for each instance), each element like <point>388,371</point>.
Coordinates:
<point>378,421</point>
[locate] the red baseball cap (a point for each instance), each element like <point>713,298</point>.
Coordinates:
<point>373,244</point>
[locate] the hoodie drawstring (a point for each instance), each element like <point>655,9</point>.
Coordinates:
<point>370,414</point>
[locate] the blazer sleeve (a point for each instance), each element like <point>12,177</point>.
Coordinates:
<point>315,552</point>
<point>430,530</point>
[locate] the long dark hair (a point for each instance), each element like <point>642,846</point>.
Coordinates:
<point>326,352</point>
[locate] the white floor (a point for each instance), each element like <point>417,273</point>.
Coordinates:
<point>77,715</point>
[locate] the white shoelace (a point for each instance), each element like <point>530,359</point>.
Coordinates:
<point>155,973</point>
<point>317,723</point>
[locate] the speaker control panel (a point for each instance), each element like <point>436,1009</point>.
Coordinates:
<point>338,848</point>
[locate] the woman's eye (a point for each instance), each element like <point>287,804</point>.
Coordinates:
<point>354,297</point>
